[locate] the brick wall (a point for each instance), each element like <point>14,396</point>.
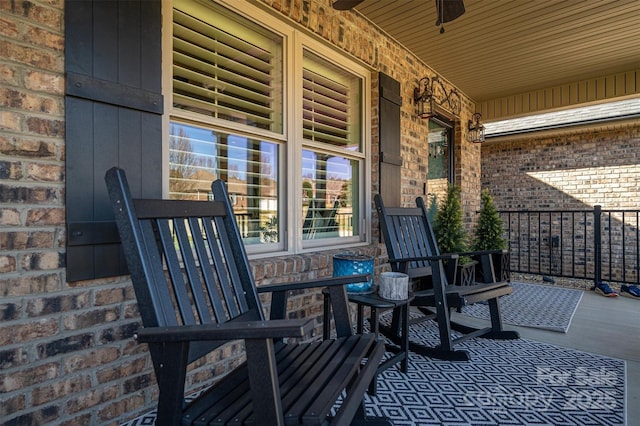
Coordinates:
<point>569,170</point>
<point>67,354</point>
<point>34,294</point>
<point>574,169</point>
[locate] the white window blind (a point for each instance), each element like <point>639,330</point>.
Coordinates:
<point>330,101</point>
<point>226,67</point>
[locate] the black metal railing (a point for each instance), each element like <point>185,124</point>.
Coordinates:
<point>598,245</point>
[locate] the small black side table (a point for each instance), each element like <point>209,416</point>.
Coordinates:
<point>378,305</point>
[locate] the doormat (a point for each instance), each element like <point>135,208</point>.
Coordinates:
<point>534,305</point>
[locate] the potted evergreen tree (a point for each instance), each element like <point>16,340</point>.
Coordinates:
<point>451,237</point>
<point>489,235</point>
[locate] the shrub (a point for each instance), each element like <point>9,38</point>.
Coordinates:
<point>489,230</point>
<point>451,235</point>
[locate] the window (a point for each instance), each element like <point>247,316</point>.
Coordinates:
<point>278,116</point>
<point>197,156</point>
<point>331,128</point>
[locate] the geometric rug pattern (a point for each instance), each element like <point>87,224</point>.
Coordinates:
<point>508,382</point>
<point>534,305</point>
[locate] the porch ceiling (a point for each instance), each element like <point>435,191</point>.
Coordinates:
<point>501,49</point>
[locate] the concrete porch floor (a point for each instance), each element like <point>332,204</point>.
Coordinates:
<point>601,325</point>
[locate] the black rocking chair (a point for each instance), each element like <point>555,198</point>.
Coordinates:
<point>412,249</point>
<point>195,293</point>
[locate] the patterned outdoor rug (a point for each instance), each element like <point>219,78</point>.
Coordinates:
<point>507,382</point>
<point>534,305</point>
<point>514,382</point>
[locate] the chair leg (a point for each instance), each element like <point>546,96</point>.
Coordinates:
<point>443,318</point>
<point>404,343</point>
<point>396,325</point>
<point>375,329</point>
<point>494,313</point>
<point>362,419</point>
<point>444,327</point>
<point>171,377</point>
<point>431,352</point>
<point>497,332</point>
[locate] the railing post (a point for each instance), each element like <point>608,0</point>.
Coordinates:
<point>597,244</point>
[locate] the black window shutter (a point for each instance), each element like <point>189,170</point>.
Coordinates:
<point>389,132</point>
<point>113,118</point>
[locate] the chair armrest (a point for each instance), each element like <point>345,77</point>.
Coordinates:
<point>336,287</point>
<point>322,282</point>
<point>273,329</point>
<point>451,264</point>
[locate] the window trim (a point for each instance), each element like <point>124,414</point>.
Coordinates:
<point>295,41</point>
<point>304,42</point>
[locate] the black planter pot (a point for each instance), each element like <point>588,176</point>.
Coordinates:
<point>466,274</point>
<point>494,267</point>
<point>501,265</point>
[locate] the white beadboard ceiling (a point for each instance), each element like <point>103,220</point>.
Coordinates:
<point>500,48</point>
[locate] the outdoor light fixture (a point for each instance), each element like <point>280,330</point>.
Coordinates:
<point>431,92</point>
<point>423,98</point>
<point>476,128</point>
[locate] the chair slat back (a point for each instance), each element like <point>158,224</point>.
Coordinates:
<point>186,258</point>
<point>320,220</point>
<point>407,234</point>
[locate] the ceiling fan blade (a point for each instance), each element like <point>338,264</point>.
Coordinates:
<point>346,4</point>
<point>448,10</point>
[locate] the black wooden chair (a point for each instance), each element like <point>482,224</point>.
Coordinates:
<point>412,249</point>
<point>319,221</point>
<point>195,293</point>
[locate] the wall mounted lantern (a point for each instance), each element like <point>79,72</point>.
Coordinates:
<point>423,98</point>
<point>476,129</point>
<point>431,92</point>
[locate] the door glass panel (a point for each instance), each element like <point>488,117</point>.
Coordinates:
<point>439,163</point>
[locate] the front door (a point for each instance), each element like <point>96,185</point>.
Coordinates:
<point>440,163</point>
